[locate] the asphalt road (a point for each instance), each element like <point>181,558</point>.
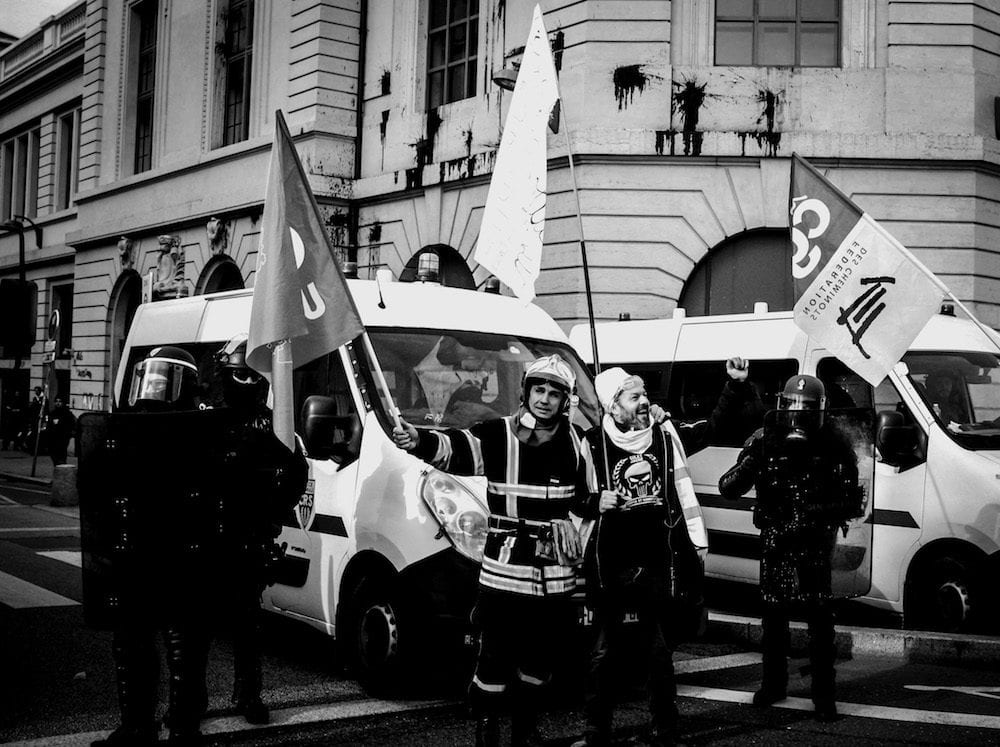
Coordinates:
<point>57,685</point>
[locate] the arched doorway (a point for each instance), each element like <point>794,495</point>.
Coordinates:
<point>221,273</point>
<point>125,298</point>
<point>452,270</point>
<point>752,266</point>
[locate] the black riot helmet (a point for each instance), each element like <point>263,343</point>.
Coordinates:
<point>232,358</point>
<point>802,403</point>
<point>166,379</point>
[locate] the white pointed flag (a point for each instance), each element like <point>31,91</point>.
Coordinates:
<point>859,292</point>
<point>510,236</point>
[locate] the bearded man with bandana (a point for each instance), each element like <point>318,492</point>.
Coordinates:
<point>646,551</point>
<point>538,469</point>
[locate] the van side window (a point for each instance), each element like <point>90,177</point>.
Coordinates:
<point>844,388</point>
<point>695,388</point>
<point>325,376</point>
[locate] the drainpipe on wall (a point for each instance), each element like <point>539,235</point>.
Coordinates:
<point>352,208</point>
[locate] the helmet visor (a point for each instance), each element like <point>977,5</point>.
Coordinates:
<point>800,402</point>
<point>157,380</point>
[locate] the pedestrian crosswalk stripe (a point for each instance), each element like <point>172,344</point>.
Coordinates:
<point>73,557</point>
<point>862,710</point>
<point>20,594</point>
<point>711,663</point>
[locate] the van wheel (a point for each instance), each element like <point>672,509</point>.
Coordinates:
<point>943,595</point>
<point>375,642</point>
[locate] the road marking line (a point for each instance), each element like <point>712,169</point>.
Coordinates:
<point>20,594</point>
<point>7,500</point>
<point>279,718</point>
<point>711,663</point>
<point>885,713</point>
<point>9,530</point>
<point>73,557</point>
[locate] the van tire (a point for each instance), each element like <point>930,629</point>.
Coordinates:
<point>943,594</point>
<point>376,647</point>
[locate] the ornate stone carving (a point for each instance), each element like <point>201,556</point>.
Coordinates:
<point>218,235</point>
<point>168,278</point>
<point>125,252</point>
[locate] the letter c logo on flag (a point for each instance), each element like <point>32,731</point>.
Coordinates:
<point>312,305</point>
<point>806,258</point>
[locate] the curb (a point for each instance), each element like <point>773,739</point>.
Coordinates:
<point>913,645</point>
<point>15,477</point>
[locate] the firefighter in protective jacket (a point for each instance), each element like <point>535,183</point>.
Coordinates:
<point>537,469</point>
<point>806,477</point>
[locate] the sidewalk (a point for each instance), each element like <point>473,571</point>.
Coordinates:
<point>16,466</point>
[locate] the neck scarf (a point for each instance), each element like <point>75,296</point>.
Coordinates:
<point>635,442</point>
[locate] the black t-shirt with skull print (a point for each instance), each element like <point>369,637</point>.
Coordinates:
<point>636,530</point>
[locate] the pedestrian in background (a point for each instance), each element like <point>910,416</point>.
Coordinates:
<point>806,478</point>
<point>62,423</point>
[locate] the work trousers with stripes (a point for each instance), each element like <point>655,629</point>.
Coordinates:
<point>521,640</point>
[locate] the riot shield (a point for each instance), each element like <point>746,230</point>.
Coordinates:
<point>832,454</point>
<point>151,489</point>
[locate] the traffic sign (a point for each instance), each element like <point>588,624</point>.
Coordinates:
<point>54,324</point>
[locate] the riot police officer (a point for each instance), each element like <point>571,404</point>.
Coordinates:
<point>806,477</point>
<point>266,481</point>
<point>164,381</point>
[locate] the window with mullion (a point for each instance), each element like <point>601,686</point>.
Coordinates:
<point>452,50</point>
<point>239,57</point>
<point>803,33</point>
<point>145,87</point>
<point>20,156</point>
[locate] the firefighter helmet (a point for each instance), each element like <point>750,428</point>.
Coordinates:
<point>553,369</point>
<point>233,358</point>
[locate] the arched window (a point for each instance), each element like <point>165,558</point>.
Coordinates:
<point>452,269</point>
<point>753,266</point>
<point>221,273</point>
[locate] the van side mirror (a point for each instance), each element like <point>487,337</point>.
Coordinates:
<point>897,442</point>
<point>327,434</point>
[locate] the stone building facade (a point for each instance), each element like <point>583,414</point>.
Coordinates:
<point>681,116</point>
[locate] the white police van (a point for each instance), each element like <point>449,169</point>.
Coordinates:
<point>382,551</point>
<point>936,535</point>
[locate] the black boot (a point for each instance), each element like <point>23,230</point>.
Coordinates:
<point>137,672</point>
<point>775,641</point>
<point>248,678</point>
<point>487,731</point>
<point>822,658</point>
<point>183,651</point>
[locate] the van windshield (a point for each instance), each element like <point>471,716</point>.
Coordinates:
<point>963,392</point>
<point>456,379</point>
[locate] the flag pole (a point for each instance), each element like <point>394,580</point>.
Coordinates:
<point>380,378</point>
<point>282,419</point>
<point>586,274</point>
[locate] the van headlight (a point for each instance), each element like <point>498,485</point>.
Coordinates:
<point>462,517</point>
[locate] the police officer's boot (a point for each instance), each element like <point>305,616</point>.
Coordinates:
<point>136,669</point>
<point>487,731</point>
<point>822,657</point>
<point>185,710</point>
<point>248,680</point>
<point>775,641</point>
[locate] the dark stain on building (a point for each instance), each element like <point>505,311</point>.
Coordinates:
<point>383,125</point>
<point>627,80</point>
<point>558,44</point>
<point>663,137</point>
<point>688,98</point>
<point>415,177</point>
<point>424,148</point>
<point>768,140</point>
<point>336,224</point>
<point>375,233</point>
<point>385,82</point>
